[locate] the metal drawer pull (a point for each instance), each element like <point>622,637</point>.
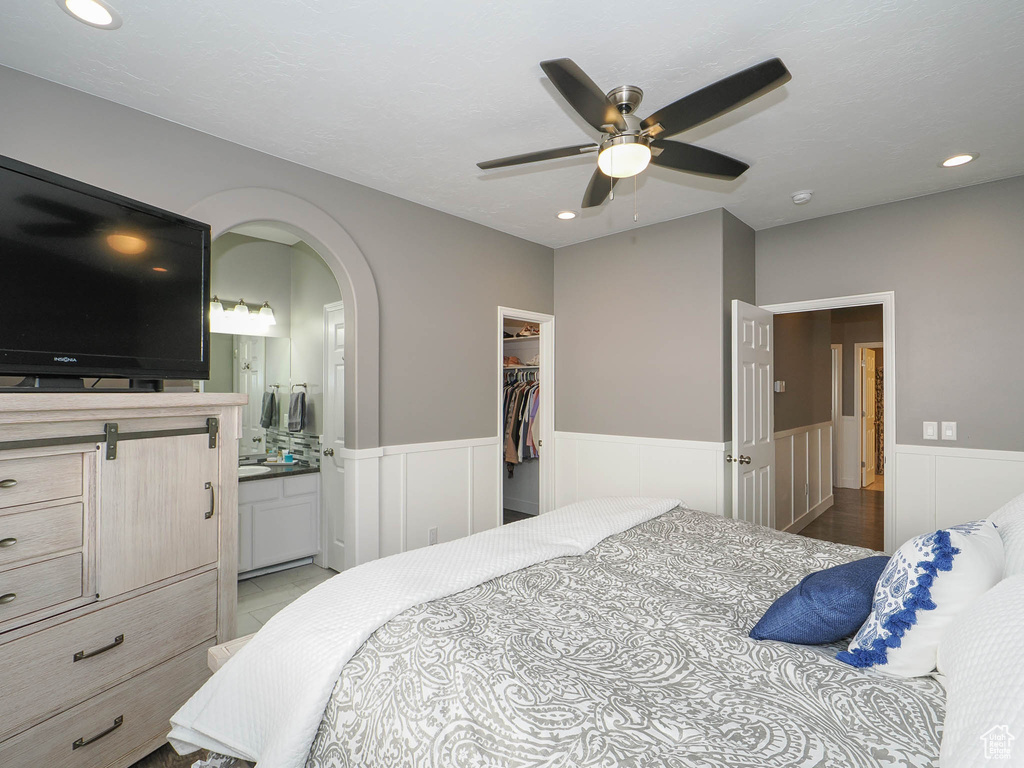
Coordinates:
<point>213,500</point>
<point>8,483</point>
<point>83,655</point>
<point>10,541</point>
<point>8,598</point>
<point>118,722</point>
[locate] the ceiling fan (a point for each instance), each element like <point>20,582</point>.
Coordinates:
<point>632,143</point>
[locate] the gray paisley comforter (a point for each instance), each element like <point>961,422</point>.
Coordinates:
<point>635,654</point>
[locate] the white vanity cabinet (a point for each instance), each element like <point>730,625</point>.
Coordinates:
<point>279,520</point>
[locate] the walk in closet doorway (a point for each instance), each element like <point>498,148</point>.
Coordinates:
<point>525,412</point>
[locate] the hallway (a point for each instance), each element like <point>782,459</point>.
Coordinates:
<point>856,518</point>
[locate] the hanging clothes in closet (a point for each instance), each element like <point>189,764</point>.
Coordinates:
<point>521,402</point>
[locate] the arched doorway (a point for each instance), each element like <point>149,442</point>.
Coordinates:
<point>232,208</point>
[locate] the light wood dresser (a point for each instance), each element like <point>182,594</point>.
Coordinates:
<point>118,568</point>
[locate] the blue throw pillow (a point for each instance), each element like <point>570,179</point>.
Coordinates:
<point>825,606</point>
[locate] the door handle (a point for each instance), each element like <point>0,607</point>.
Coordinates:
<point>213,500</point>
<point>8,598</point>
<point>744,459</point>
<point>8,483</point>
<point>257,439</point>
<point>741,460</point>
<point>328,451</point>
<point>89,654</point>
<point>118,722</point>
<point>10,541</point>
<point>729,459</point>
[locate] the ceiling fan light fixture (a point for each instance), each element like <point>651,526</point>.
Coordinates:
<point>624,156</point>
<point>566,215</point>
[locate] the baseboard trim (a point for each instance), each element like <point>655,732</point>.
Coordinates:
<point>809,517</point>
<point>521,505</point>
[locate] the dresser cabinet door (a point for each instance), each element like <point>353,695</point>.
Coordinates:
<point>155,520</point>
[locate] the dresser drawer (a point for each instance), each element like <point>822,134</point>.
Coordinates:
<point>40,478</point>
<point>40,532</point>
<point>140,709</point>
<point>57,667</point>
<point>35,587</point>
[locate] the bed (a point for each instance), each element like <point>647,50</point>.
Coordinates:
<point>630,649</point>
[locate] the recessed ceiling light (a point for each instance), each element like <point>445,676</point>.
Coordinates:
<point>566,215</point>
<point>159,269</point>
<point>95,13</point>
<point>955,160</point>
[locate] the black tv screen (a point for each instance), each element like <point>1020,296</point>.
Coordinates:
<point>95,284</point>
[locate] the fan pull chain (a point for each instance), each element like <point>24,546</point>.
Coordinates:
<point>611,177</point>
<point>636,216</point>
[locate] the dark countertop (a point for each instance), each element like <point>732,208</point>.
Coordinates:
<point>279,470</point>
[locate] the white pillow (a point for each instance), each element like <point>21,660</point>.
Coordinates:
<point>980,656</point>
<point>928,582</point>
<point>1009,519</point>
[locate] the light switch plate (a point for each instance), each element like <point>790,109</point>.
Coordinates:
<point>780,386</point>
<point>949,430</point>
<point>931,430</point>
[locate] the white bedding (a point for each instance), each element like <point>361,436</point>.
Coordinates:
<point>267,702</point>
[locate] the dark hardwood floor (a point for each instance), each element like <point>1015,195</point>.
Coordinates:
<point>855,518</point>
<point>512,516</point>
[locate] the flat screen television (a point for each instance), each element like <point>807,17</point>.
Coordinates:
<point>93,284</point>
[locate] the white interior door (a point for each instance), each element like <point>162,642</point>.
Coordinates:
<point>867,415</point>
<point>332,466</point>
<point>753,415</point>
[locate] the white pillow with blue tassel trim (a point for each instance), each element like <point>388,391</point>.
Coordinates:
<point>928,582</point>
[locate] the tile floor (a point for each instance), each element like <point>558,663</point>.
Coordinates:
<point>261,597</point>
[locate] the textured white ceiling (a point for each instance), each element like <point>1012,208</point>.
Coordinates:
<point>881,92</point>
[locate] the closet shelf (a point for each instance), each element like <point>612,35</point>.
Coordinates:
<point>521,338</point>
<point>518,367</point>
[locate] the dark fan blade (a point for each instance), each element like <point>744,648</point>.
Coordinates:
<point>598,189</point>
<point>583,94</point>
<point>718,98</point>
<point>691,159</point>
<point>533,157</point>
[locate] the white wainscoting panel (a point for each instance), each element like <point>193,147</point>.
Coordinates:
<point>451,486</point>
<point>937,487</point>
<point>803,475</point>
<point>589,466</point>
<point>849,475</point>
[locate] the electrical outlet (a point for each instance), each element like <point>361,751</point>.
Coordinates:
<point>931,430</point>
<point>949,430</point>
<point>431,536</point>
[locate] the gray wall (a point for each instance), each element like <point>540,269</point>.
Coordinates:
<point>640,328</point>
<point>803,359</point>
<point>438,276</point>
<point>955,263</point>
<point>854,325</point>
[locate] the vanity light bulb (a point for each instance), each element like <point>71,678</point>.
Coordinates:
<point>241,309</point>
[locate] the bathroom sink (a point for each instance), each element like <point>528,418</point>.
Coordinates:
<point>252,470</point>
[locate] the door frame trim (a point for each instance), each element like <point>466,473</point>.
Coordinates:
<point>888,301</point>
<point>546,373</point>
